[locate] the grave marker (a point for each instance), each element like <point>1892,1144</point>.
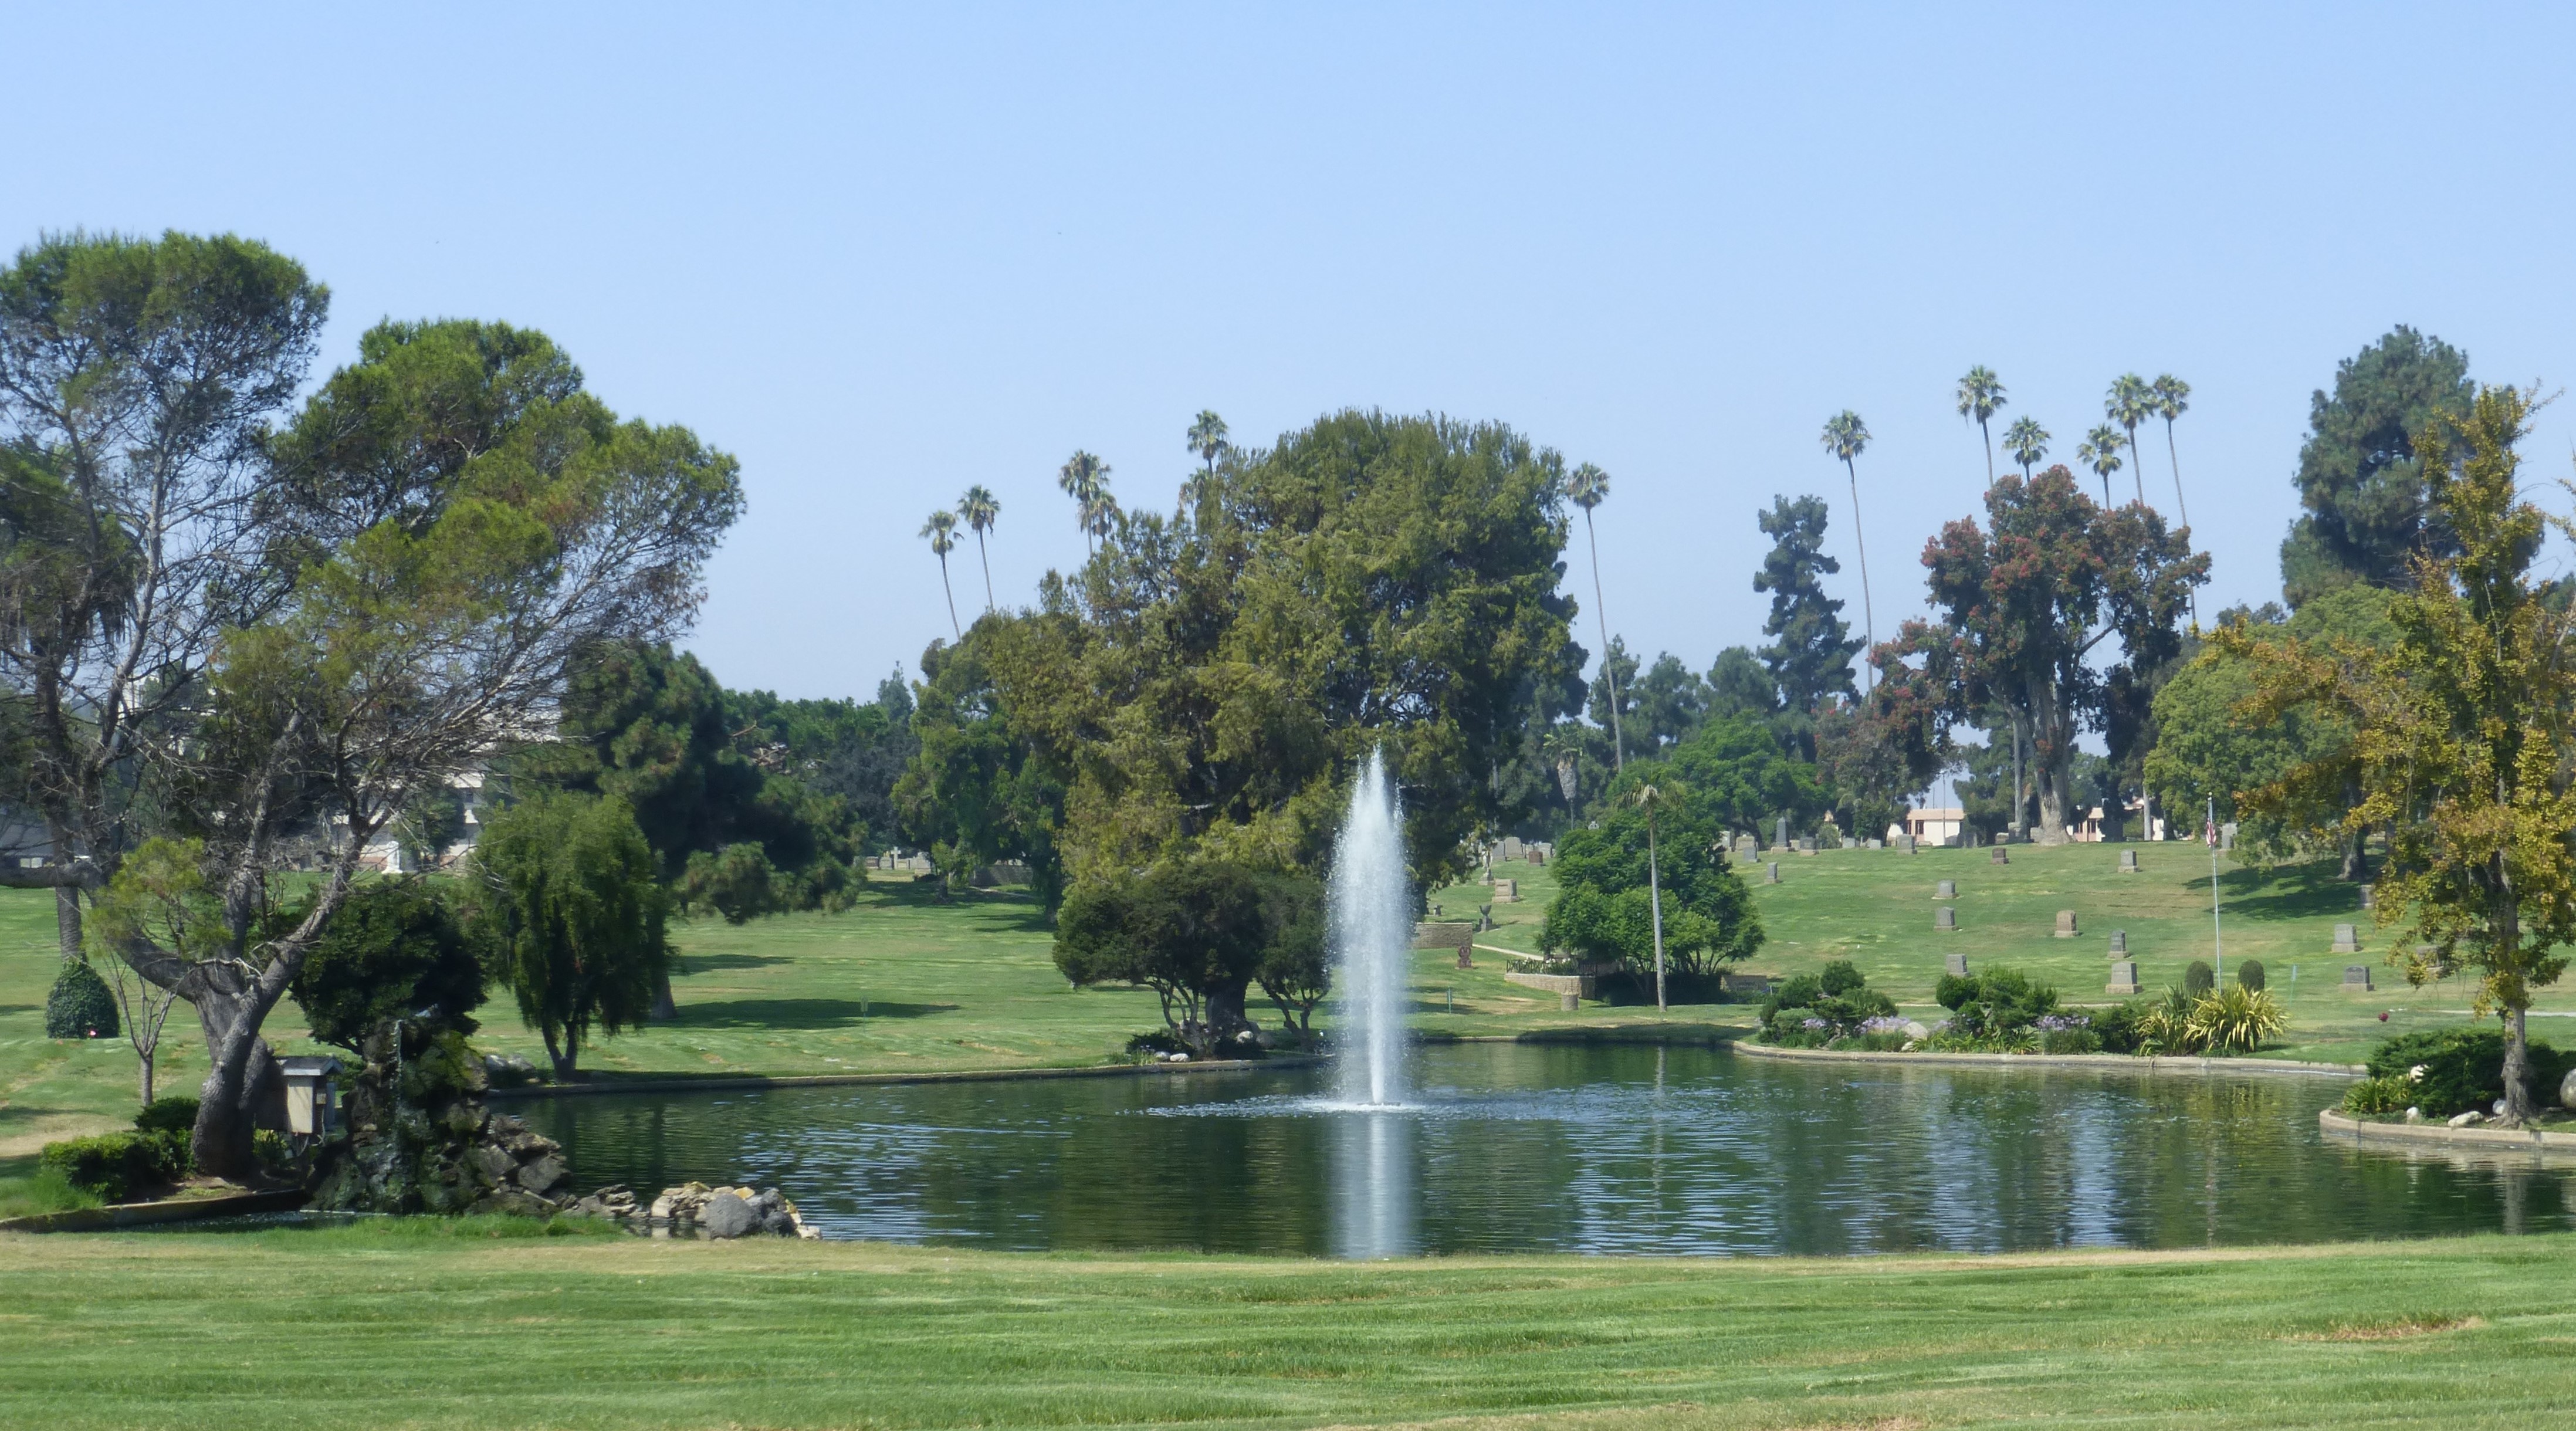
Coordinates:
<point>1955,965</point>
<point>2356,978</point>
<point>2124,978</point>
<point>2347,939</point>
<point>1945,920</point>
<point>2066,924</point>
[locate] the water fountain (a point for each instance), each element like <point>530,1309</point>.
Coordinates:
<point>1371,930</point>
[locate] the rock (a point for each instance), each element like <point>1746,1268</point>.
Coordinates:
<point>2414,1115</point>
<point>2462,1120</point>
<point>727,1215</point>
<point>1915,1030</point>
<point>2567,1090</point>
<point>513,1202</point>
<point>495,1165</point>
<point>544,1173</point>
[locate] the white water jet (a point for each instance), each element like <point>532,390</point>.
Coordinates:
<point>1372,939</point>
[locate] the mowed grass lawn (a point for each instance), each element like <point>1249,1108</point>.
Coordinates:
<point>903,983</point>
<point>415,1325</point>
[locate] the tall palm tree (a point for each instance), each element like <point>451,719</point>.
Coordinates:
<point>942,531</point>
<point>2129,403</point>
<point>2172,398</point>
<point>1650,799</point>
<point>1981,396</point>
<point>1207,437</point>
<point>1586,486</point>
<point>977,509</point>
<point>1084,478</point>
<point>2100,450</point>
<point>1846,437</point>
<point>1564,748</point>
<point>2027,441</point>
<point>1100,514</point>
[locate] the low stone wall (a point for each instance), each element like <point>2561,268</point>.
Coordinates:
<point>1443,935</point>
<point>154,1214</point>
<point>839,1080</point>
<point>2126,1061</point>
<point>2362,1130</point>
<point>1579,985</point>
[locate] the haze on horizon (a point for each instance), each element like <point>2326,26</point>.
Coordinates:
<point>884,256</point>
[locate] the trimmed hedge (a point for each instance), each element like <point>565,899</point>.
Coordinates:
<point>2464,1069</point>
<point>80,1005</point>
<point>113,1165</point>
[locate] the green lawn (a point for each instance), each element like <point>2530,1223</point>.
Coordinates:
<point>902,983</point>
<point>427,1325</point>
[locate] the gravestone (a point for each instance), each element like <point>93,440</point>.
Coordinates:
<point>2227,836</point>
<point>1905,843</point>
<point>1512,847</point>
<point>1946,889</point>
<point>1569,1003</point>
<point>1945,920</point>
<point>2347,939</point>
<point>1955,965</point>
<point>1806,847</point>
<point>1466,956</point>
<point>2356,978</point>
<point>1780,832</point>
<point>2119,943</point>
<point>1746,844</point>
<point>2002,856</point>
<point>2124,978</point>
<point>1538,857</point>
<point>2128,861</point>
<point>2066,924</point>
<point>1771,872</point>
<point>1507,891</point>
<point>1873,843</point>
<point>2003,837</point>
<point>2368,899</point>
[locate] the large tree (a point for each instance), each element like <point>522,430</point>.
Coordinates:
<point>2464,731</point>
<point>1981,396</point>
<point>2021,606</point>
<point>1811,650</point>
<point>1588,487</point>
<point>1606,909</point>
<point>1846,437</point>
<point>2360,479</point>
<point>569,904</point>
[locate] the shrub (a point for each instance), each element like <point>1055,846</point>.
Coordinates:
<point>2249,974</point>
<point>2235,1018</point>
<point>1995,1004</point>
<point>1839,977</point>
<point>113,1165</point>
<point>394,948</point>
<point>2119,1027</point>
<point>1812,1010</point>
<point>169,1113</point>
<point>2463,1069</point>
<point>2197,978</point>
<point>2066,1033</point>
<point>2374,1096</point>
<point>79,1005</point>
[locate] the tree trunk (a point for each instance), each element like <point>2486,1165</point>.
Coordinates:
<point>563,1056</point>
<point>240,1073</point>
<point>145,1059</point>
<point>67,921</point>
<point>2517,1071</point>
<point>664,1008</point>
<point>2054,749</point>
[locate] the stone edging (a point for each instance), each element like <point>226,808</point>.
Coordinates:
<point>148,1214</point>
<point>863,1080</point>
<point>2336,1121</point>
<point>2060,1060</point>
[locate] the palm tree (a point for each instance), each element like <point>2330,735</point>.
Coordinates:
<point>1586,486</point>
<point>1846,436</point>
<point>977,509</point>
<point>1981,396</point>
<point>2172,398</point>
<point>1564,748</point>
<point>1207,437</point>
<point>2129,403</point>
<point>2027,441</point>
<point>2100,450</point>
<point>1100,514</point>
<point>1084,478</point>
<point>1648,798</point>
<point>942,531</point>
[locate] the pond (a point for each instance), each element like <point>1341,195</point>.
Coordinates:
<point>1521,1148</point>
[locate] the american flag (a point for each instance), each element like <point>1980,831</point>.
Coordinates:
<point>2210,833</point>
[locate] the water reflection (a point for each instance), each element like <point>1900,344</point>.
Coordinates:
<point>1513,1148</point>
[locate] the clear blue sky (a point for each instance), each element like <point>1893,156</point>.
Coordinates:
<point>882,255</point>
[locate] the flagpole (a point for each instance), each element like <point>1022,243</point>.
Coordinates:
<point>2217,935</point>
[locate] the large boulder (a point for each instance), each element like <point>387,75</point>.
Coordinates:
<point>727,1215</point>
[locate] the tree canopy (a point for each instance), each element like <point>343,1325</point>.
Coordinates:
<point>2361,483</point>
<point>1603,908</point>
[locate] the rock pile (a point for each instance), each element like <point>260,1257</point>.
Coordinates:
<point>719,1212</point>
<point>421,1138</point>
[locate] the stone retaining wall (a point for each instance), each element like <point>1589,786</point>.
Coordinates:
<point>2531,1140</point>
<point>2130,1062</point>
<point>1579,985</point>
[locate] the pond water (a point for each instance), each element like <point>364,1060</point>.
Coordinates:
<point>1519,1148</point>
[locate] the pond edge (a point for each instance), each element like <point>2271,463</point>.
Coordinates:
<point>2061,1060</point>
<point>740,1083</point>
<point>2344,1125</point>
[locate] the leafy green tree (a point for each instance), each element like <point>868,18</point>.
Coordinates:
<point>978,508</point>
<point>1193,931</point>
<point>846,751</point>
<point>1735,775</point>
<point>1612,700</point>
<point>570,903</point>
<point>1862,762</point>
<point>2361,482</point>
<point>1587,487</point>
<point>1846,437</point>
<point>1295,968</point>
<point>1811,649</point>
<point>396,951</point>
<point>1605,909</point>
<point>1671,701</point>
<point>1740,685</point>
<point>2131,401</point>
<point>2027,441</point>
<point>941,532</point>
<point>2100,450</point>
<point>1981,396</point>
<point>2021,609</point>
<point>2464,730</point>
<point>979,783</point>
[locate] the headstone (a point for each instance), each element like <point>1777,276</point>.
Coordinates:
<point>1771,872</point>
<point>1946,889</point>
<point>1746,844</point>
<point>1507,891</point>
<point>1955,965</point>
<point>2124,978</point>
<point>1569,1003</point>
<point>2128,861</point>
<point>1945,920</point>
<point>2066,924</point>
<point>2356,978</point>
<point>1806,846</point>
<point>2368,898</point>
<point>1512,847</point>
<point>2119,942</point>
<point>1537,857</point>
<point>2002,856</point>
<point>1780,832</point>
<point>1905,843</point>
<point>2227,836</point>
<point>1466,956</point>
<point>2003,837</point>
<point>1873,843</point>
<point>2347,939</point>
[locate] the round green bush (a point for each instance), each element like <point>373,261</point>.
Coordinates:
<point>2249,972</point>
<point>2197,979</point>
<point>169,1113</point>
<point>2375,1096</point>
<point>80,1005</point>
